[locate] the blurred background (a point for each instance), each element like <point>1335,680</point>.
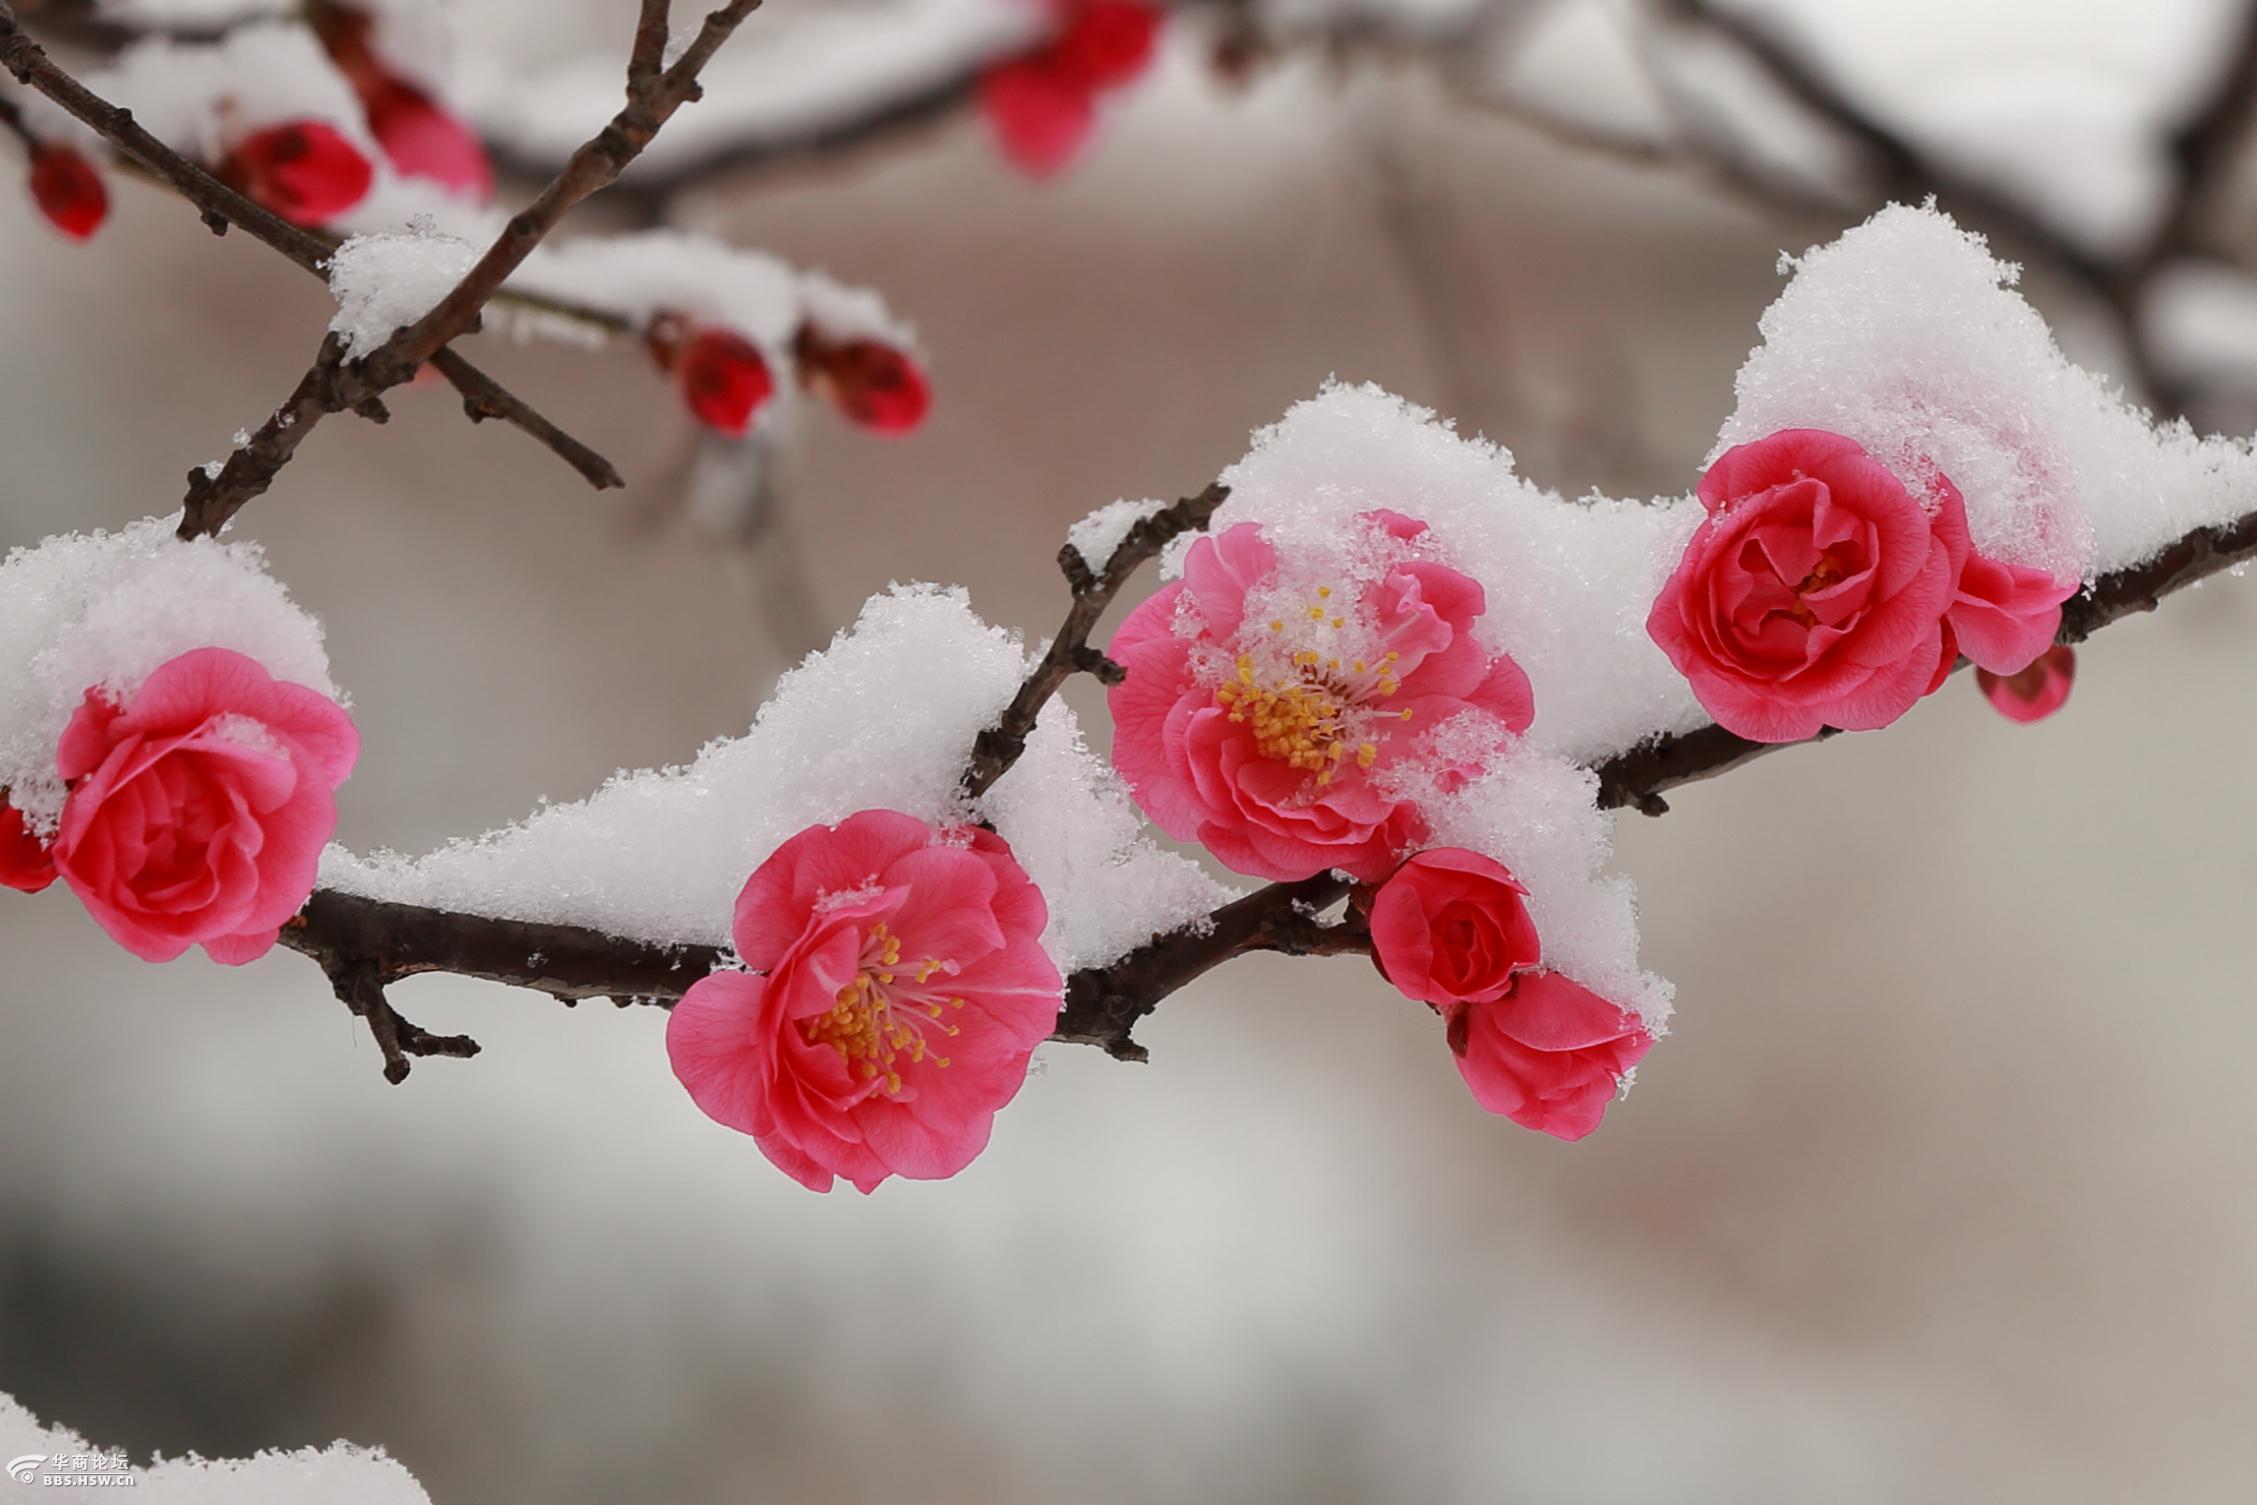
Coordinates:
<point>1939,1190</point>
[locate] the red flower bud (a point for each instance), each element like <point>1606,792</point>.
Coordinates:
<point>874,384</point>
<point>25,863</point>
<point>68,190</point>
<point>2035,693</point>
<point>305,171</point>
<point>725,379</point>
<point>1107,43</point>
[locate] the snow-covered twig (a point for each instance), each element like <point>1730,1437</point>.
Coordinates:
<point>221,206</point>
<point>654,92</point>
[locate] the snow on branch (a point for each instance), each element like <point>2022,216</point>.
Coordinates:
<point>1905,335</point>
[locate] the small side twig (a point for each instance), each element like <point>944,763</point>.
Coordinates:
<point>360,987</point>
<point>1070,652</point>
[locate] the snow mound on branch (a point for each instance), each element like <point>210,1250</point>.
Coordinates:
<point>1568,583</point>
<point>1906,335</point>
<point>341,1474</point>
<point>883,718</point>
<point>383,283</point>
<point>105,611</point>
<point>200,98</point>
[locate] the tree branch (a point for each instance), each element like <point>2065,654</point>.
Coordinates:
<point>332,386</point>
<point>1103,1005</point>
<point>221,206</point>
<point>1069,652</point>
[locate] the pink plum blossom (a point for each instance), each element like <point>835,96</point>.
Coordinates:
<point>1549,1054</point>
<point>198,810</point>
<point>1267,717</point>
<point>898,988</point>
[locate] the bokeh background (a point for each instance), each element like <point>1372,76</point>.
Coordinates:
<point>1939,1190</point>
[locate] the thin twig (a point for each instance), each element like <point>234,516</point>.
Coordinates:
<point>1069,652</point>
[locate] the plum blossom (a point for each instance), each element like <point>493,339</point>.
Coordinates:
<point>897,992</point>
<point>1269,716</point>
<point>1450,929</point>
<point>1813,594</point>
<point>1549,1055</point>
<point>198,809</point>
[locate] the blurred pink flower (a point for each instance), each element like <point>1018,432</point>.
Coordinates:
<point>2037,691</point>
<point>1276,755</point>
<point>899,988</point>
<point>1042,104</point>
<point>198,812</point>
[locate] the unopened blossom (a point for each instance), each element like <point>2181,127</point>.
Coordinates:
<point>68,190</point>
<point>26,865</point>
<point>878,386</point>
<point>1042,105</point>
<point>2037,690</point>
<point>1549,1054</point>
<point>724,378</point>
<point>898,988</point>
<point>306,171</point>
<point>1451,926</point>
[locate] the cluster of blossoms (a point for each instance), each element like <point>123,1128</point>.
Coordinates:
<point>1042,104</point>
<point>197,810</point>
<point>897,985</point>
<point>1820,591</point>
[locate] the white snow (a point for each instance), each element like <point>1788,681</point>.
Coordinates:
<point>383,283</point>
<point>638,276</point>
<point>201,98</point>
<point>1096,536</point>
<point>340,1474</point>
<point>105,610</point>
<point>1537,814</point>
<point>1568,582</point>
<point>1907,335</point>
<point>884,718</point>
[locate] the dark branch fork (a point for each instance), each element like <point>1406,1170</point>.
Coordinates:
<point>221,207</point>
<point>362,938</point>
